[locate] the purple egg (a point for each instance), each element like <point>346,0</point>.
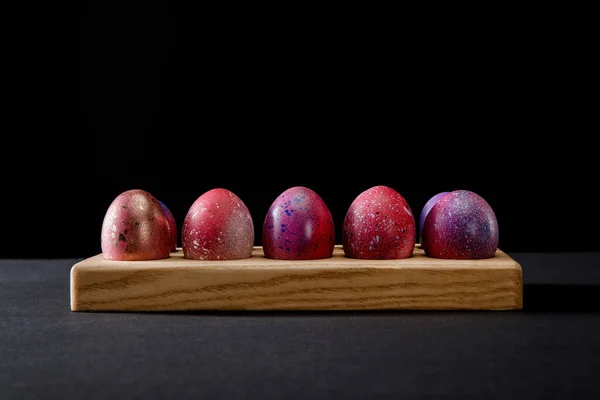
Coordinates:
<point>461,225</point>
<point>425,211</point>
<point>298,226</point>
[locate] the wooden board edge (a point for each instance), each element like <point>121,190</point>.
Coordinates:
<point>80,267</point>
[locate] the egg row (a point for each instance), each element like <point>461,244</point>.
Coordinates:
<point>379,224</point>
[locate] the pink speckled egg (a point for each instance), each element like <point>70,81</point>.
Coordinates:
<point>379,224</point>
<point>135,227</point>
<point>461,225</point>
<point>298,226</point>
<point>218,226</point>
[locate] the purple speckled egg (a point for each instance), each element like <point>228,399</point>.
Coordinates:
<point>425,210</point>
<point>379,224</point>
<point>172,225</point>
<point>461,225</point>
<point>135,227</point>
<point>217,226</point>
<point>298,226</point>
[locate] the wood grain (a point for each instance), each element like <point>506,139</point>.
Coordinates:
<point>258,283</point>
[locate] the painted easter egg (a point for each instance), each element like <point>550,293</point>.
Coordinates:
<point>172,225</point>
<point>379,224</point>
<point>425,210</point>
<point>298,226</point>
<point>135,227</point>
<point>217,226</point>
<point>461,225</point>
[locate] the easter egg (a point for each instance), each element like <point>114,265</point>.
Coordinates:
<point>425,210</point>
<point>379,224</point>
<point>461,225</point>
<point>298,226</point>
<point>172,225</point>
<point>135,227</point>
<point>217,226</point>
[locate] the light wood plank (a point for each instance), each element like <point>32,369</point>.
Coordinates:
<point>258,283</point>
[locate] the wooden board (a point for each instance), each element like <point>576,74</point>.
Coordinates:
<point>258,283</point>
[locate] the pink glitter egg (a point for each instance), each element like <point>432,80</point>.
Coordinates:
<point>379,224</point>
<point>217,226</point>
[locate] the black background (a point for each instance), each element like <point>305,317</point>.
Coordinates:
<point>180,101</point>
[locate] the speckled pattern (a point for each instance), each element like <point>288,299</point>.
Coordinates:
<point>461,225</point>
<point>298,226</point>
<point>218,226</point>
<point>379,224</point>
<point>135,227</point>
<point>425,210</point>
<point>172,225</point>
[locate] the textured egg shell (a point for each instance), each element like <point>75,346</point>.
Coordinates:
<point>379,224</point>
<point>172,225</point>
<point>461,225</point>
<point>298,226</point>
<point>426,208</point>
<point>135,227</point>
<point>218,226</point>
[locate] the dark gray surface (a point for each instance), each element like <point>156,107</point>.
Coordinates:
<point>551,349</point>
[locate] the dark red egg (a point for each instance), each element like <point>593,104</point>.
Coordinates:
<point>298,226</point>
<point>217,226</point>
<point>135,227</point>
<point>379,224</point>
<point>461,225</point>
